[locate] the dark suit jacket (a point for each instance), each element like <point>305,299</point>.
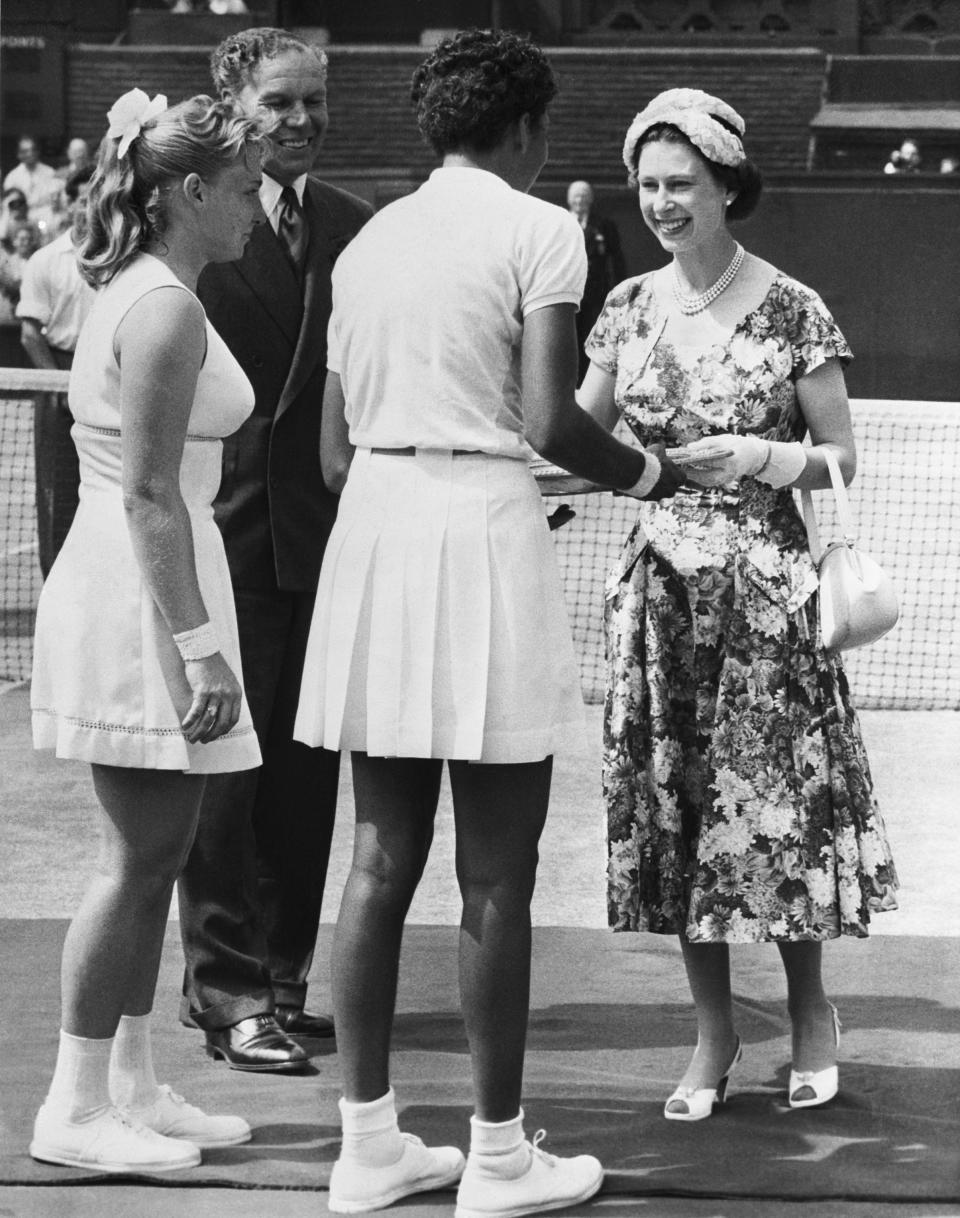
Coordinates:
<point>605,264</point>
<point>272,507</point>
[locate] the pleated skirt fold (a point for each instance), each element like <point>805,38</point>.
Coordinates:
<point>440,628</point>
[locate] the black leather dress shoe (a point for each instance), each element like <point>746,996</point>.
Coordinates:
<point>297,1022</point>
<point>258,1044</point>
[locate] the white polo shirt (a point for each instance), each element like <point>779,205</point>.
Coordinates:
<point>428,306</point>
<point>53,293</point>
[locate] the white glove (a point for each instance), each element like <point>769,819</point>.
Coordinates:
<point>771,461</point>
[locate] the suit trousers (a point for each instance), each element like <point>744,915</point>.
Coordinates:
<point>57,470</point>
<point>251,890</point>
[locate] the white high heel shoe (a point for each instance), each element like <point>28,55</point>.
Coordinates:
<point>809,1088</point>
<point>697,1103</point>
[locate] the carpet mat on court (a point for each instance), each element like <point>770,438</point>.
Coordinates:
<point>611,1030</point>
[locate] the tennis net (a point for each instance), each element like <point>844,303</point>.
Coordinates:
<point>906,502</point>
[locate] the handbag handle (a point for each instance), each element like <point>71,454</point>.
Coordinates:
<point>844,515</point>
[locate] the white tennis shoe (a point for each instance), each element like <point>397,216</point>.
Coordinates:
<point>356,1188</point>
<point>107,1140</point>
<point>172,1116</point>
<point>547,1183</point>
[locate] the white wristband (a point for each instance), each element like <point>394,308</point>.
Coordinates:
<point>784,464</point>
<point>198,643</point>
<point>648,479</point>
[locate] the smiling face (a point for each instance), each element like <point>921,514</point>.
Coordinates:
<point>288,93</point>
<point>680,200</point>
<point>232,207</point>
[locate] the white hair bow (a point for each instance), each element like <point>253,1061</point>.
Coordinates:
<point>129,113</point>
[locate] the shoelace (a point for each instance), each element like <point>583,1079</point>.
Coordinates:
<point>168,1091</point>
<point>541,1154</point>
<point>127,1121</point>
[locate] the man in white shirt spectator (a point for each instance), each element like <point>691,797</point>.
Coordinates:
<point>54,302</point>
<point>39,183</point>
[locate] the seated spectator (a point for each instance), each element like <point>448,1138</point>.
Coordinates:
<point>905,159</point>
<point>39,184</point>
<point>218,7</point>
<point>950,164</point>
<point>78,157</point>
<point>13,212</point>
<point>24,242</point>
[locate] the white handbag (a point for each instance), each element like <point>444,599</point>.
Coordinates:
<point>858,603</point>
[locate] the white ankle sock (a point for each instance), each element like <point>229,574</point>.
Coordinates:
<point>133,1083</point>
<point>500,1147</point>
<point>370,1132</point>
<point>79,1086</point>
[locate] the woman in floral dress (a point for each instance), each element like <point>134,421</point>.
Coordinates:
<point>739,795</point>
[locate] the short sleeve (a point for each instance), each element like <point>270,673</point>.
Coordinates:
<point>34,298</point>
<point>621,317</point>
<point>810,329</point>
<point>552,259</point>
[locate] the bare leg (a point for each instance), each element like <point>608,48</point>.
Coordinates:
<point>811,1019</point>
<point>112,950</point>
<point>708,972</point>
<point>396,801</point>
<point>500,812</point>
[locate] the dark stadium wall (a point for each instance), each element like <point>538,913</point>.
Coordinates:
<point>778,92</point>
<point>882,251</point>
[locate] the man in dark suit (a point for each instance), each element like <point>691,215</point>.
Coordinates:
<point>605,265</point>
<point>251,891</point>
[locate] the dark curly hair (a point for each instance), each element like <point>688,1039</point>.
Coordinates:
<point>232,62</point>
<point>474,85</point>
<point>745,178</point>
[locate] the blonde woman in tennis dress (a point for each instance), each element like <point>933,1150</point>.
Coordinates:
<point>439,630</point>
<point>137,665</point>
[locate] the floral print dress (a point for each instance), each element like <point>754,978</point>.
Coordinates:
<point>740,803</point>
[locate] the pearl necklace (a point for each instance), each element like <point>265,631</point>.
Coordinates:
<point>696,304</point>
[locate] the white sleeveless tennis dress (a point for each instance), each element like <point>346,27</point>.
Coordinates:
<point>106,671</point>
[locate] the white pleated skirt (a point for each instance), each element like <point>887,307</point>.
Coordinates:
<point>440,628</point>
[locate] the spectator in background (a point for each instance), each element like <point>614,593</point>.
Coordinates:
<point>251,891</point>
<point>24,241</point>
<point>605,265</point>
<point>950,164</point>
<point>905,159</point>
<point>78,157</point>
<point>39,184</point>
<point>54,303</point>
<point>13,212</point>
